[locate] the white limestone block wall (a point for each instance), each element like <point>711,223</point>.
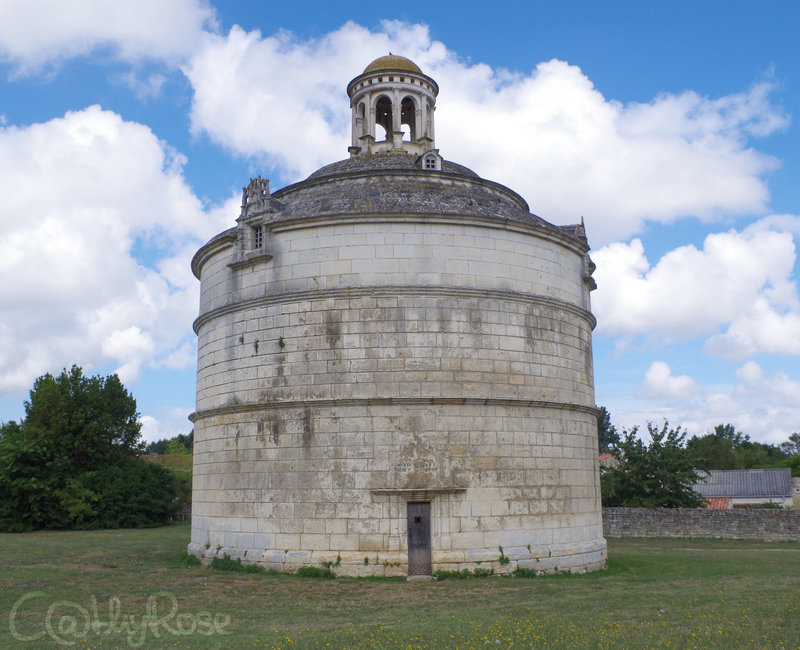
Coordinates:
<point>362,251</point>
<point>310,485</point>
<point>374,361</point>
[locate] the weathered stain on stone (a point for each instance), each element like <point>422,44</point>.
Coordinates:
<point>276,427</point>
<point>308,427</point>
<point>333,328</point>
<point>261,431</point>
<point>475,320</point>
<point>531,330</point>
<point>280,369</point>
<point>588,361</point>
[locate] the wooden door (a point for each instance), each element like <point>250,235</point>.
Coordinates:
<point>419,538</point>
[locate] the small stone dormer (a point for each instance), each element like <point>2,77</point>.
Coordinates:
<point>258,208</point>
<point>430,160</point>
<point>393,105</point>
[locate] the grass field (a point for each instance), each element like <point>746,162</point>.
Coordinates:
<point>128,588</point>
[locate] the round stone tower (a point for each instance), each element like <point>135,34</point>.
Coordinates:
<point>395,365</point>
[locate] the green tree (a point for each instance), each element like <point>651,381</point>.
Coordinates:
<point>792,446</point>
<point>793,463</point>
<point>657,474</point>
<point>607,436</point>
<point>727,448</point>
<point>88,422</point>
<point>76,429</point>
<point>157,447</point>
<point>175,447</point>
<point>717,449</point>
<point>161,446</point>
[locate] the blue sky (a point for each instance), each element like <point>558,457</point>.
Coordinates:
<point>128,129</point>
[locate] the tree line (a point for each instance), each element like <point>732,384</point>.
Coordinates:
<point>660,470</point>
<point>180,444</point>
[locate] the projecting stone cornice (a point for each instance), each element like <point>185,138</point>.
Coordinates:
<point>225,239</point>
<point>393,291</point>
<point>250,407</point>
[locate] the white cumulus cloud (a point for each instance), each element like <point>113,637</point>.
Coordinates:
<point>764,405</point>
<point>555,138</point>
<point>96,224</point>
<point>36,33</point>
<point>659,382</point>
<point>739,290</point>
<point>763,328</point>
<point>774,389</point>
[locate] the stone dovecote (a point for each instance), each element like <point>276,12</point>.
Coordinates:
<point>395,362</point>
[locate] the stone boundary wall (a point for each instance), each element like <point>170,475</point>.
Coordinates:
<point>763,524</point>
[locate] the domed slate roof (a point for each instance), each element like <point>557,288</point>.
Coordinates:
<point>384,161</point>
<point>394,183</point>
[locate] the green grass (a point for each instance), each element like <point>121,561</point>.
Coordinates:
<point>225,563</point>
<point>315,572</point>
<point>656,593</point>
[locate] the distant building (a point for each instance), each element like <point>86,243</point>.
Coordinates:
<point>608,461</point>
<point>741,488</point>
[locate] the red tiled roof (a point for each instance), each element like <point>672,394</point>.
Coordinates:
<point>718,503</point>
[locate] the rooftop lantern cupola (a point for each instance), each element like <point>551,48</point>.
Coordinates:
<point>393,103</point>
